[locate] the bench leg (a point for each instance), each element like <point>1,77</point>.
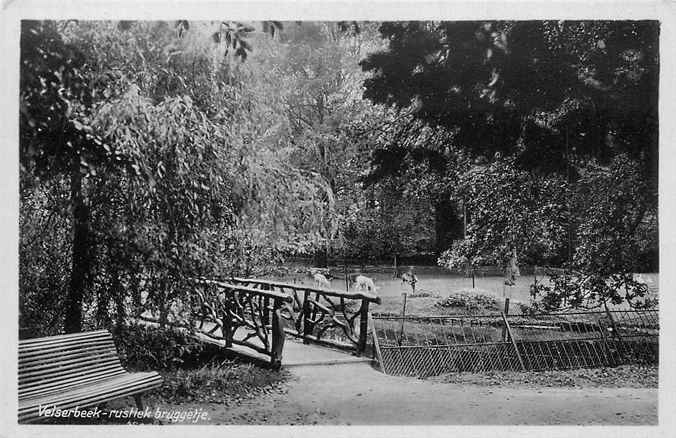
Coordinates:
<point>139,402</point>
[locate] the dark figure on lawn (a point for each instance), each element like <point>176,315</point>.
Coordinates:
<point>409,277</point>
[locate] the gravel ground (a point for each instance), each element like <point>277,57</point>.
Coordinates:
<point>626,376</point>
<point>357,394</point>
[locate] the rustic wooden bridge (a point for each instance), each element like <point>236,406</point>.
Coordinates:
<point>252,317</point>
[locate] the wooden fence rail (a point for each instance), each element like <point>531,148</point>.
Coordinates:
<point>432,345</point>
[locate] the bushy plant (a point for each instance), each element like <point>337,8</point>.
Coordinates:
<point>44,264</point>
<point>472,302</point>
<point>424,294</point>
<point>217,381</point>
<point>144,347</point>
<point>576,290</point>
<point>528,309</point>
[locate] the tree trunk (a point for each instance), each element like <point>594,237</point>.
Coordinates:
<point>80,259</point>
<point>118,298</point>
<point>447,224</point>
<point>102,303</point>
<point>162,304</point>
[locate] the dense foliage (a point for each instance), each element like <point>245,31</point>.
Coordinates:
<point>154,152</point>
<point>556,127</point>
<point>141,170</point>
<point>534,89</point>
<point>143,348</point>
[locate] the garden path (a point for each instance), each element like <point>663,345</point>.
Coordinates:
<point>356,393</point>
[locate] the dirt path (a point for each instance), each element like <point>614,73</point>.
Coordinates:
<point>327,387</point>
<point>359,395</point>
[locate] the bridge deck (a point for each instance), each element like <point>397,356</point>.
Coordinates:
<point>295,352</point>
<point>298,354</point>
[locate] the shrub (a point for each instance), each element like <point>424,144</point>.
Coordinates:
<point>424,294</point>
<point>143,347</point>
<point>218,381</point>
<point>471,302</point>
<point>528,309</point>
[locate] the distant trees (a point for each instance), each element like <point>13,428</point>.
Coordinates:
<point>312,75</point>
<point>509,208</point>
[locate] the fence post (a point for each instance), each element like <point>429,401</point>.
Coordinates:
<point>403,318</point>
<point>616,333</point>
<point>363,326</point>
<point>277,336</point>
<point>376,345</point>
<point>511,338</point>
<point>504,329</point>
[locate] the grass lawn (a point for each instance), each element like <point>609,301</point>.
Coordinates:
<point>429,304</point>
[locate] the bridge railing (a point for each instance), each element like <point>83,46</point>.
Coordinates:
<point>325,316</point>
<point>235,315</point>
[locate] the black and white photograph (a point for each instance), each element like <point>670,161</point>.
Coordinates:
<point>337,222</point>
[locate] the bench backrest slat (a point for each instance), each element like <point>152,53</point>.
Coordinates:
<point>48,380</point>
<point>71,371</point>
<point>43,388</point>
<point>47,363</point>
<point>31,344</point>
<point>33,349</point>
<point>33,359</point>
<point>41,368</point>
<point>55,341</point>
<point>84,398</point>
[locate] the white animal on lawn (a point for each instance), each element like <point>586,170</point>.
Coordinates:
<point>321,281</point>
<point>409,277</point>
<point>364,284</point>
<point>640,279</point>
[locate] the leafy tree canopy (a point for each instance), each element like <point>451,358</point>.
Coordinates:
<point>539,90</point>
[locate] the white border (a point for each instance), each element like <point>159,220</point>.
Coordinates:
<point>14,10</point>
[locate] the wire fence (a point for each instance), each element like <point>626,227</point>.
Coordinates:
<point>432,345</point>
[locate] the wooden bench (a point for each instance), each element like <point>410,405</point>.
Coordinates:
<point>80,369</point>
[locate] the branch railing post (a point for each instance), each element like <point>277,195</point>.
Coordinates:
<point>266,307</point>
<point>277,335</point>
<point>227,320</point>
<point>307,322</point>
<point>363,326</point>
